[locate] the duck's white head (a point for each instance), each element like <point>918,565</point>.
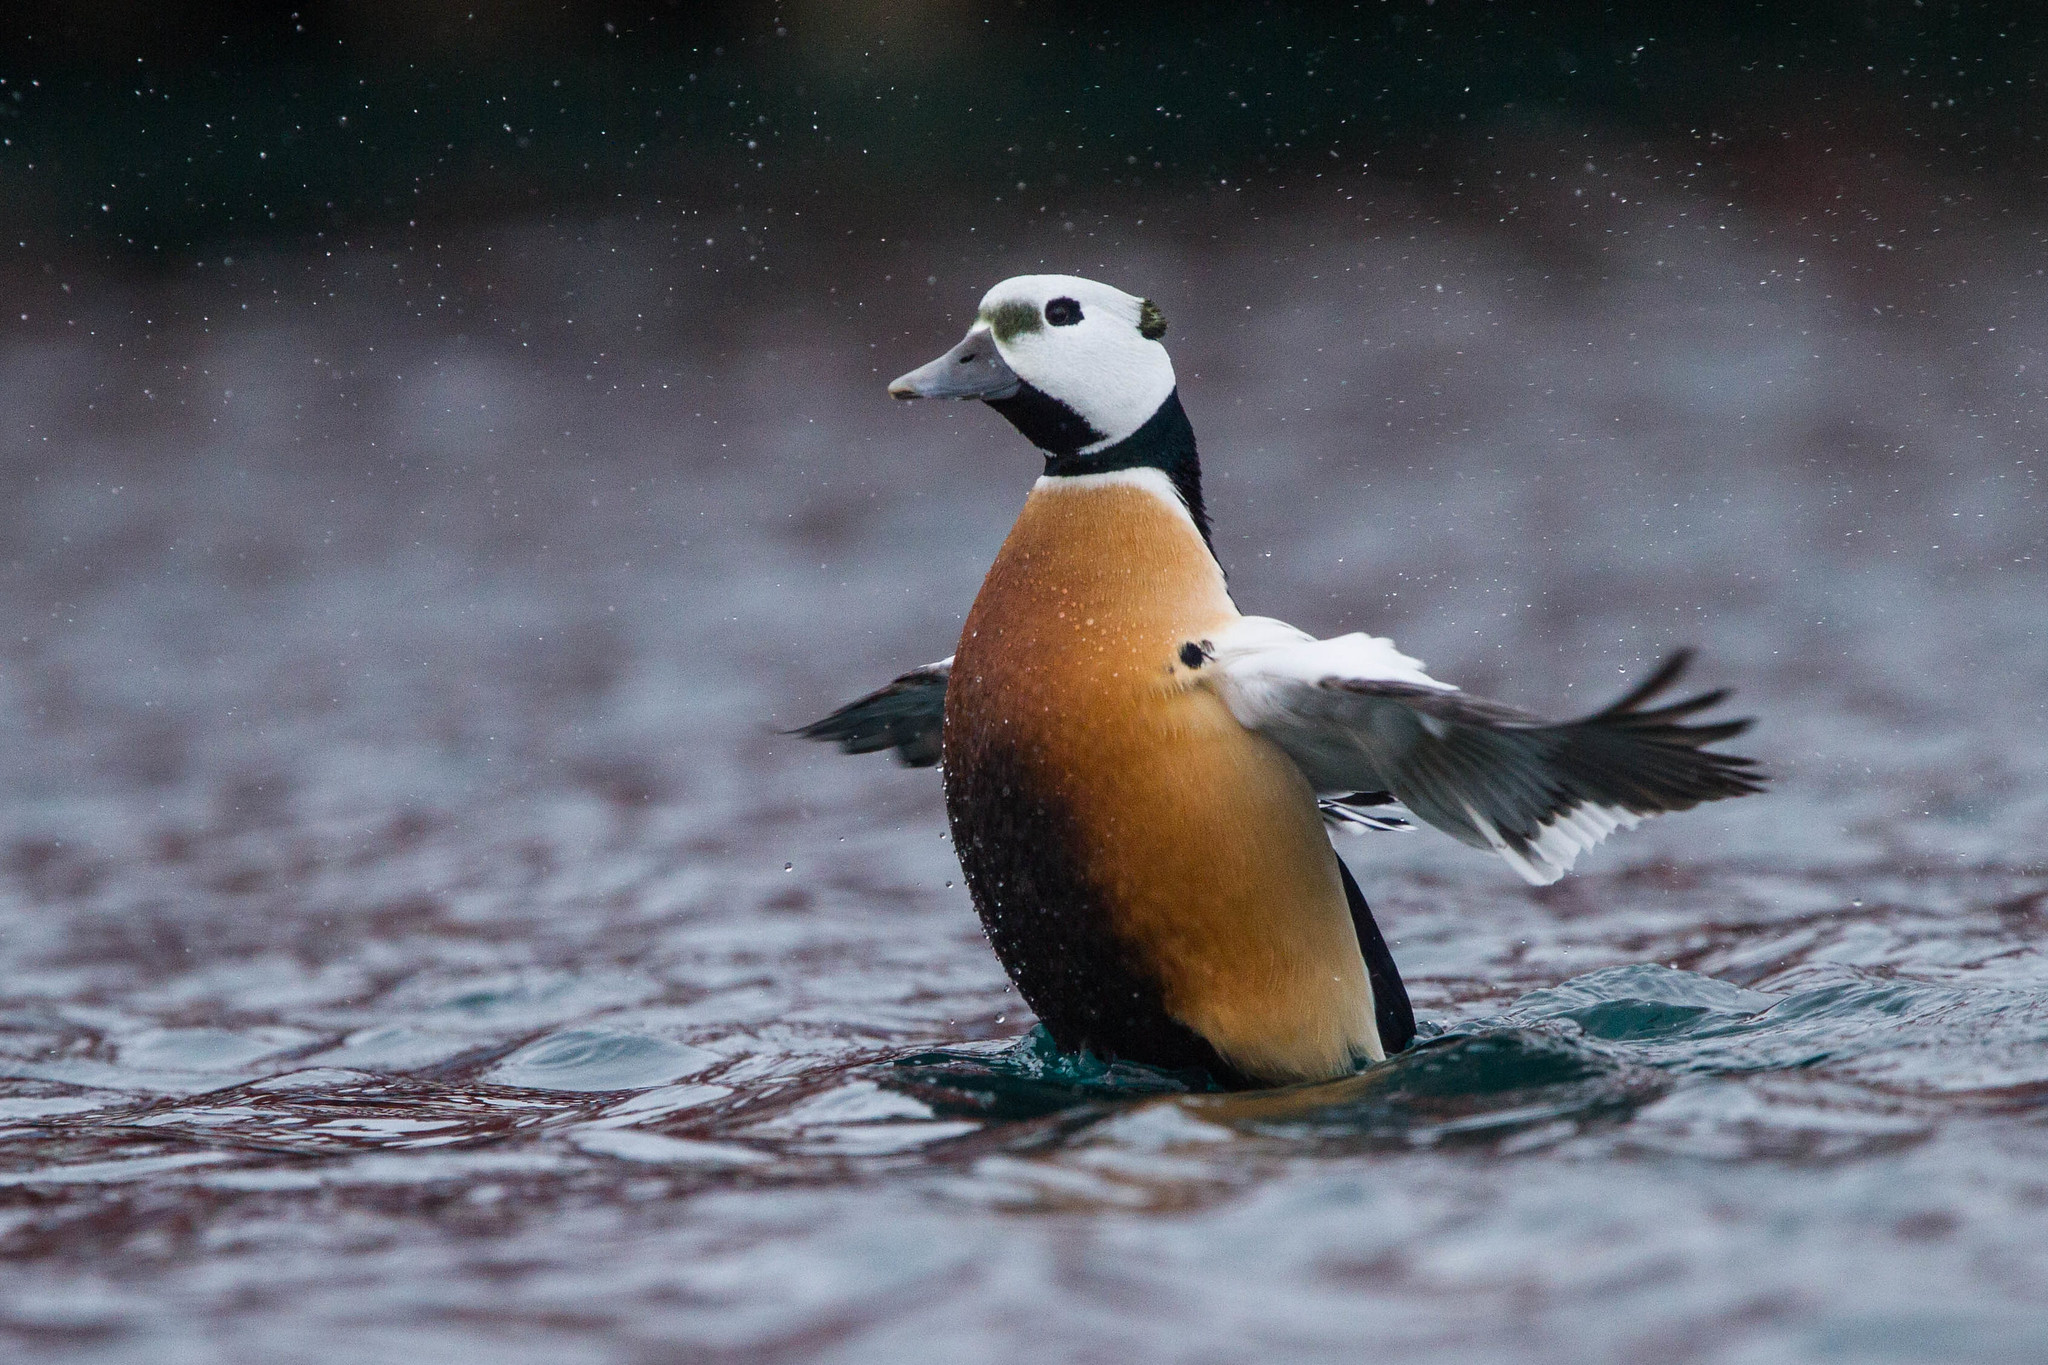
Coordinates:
<point>1074,364</point>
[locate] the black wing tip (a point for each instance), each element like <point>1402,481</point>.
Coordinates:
<point>817,729</point>
<point>851,736</point>
<point>1668,671</point>
<point>842,727</point>
<point>1629,708</point>
<point>903,715</point>
<point>1701,735</point>
<point>1677,771</point>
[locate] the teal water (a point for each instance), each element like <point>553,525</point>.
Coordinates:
<point>1603,1057</point>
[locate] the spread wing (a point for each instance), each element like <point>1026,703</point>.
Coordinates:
<point>1359,716</point>
<point>909,716</point>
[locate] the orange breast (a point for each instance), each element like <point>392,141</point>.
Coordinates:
<point>1176,853</point>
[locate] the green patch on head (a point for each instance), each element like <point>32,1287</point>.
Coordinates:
<point>1012,319</point>
<point>1151,322</point>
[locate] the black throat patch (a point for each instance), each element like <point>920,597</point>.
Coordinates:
<point>1045,421</point>
<point>1166,442</point>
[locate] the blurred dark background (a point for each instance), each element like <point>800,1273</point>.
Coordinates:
<point>148,131</point>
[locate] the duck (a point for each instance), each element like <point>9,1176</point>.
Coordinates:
<point>1141,781</point>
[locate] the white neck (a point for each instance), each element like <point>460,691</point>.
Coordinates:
<point>1143,478</point>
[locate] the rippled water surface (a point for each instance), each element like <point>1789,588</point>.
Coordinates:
<point>417,943</point>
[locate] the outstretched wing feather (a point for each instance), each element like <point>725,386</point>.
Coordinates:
<point>1494,776</point>
<point>909,716</point>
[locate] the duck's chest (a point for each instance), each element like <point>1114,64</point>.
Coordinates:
<point>1077,628</point>
<point>1154,877</point>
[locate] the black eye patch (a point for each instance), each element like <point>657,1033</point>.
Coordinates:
<point>1063,312</point>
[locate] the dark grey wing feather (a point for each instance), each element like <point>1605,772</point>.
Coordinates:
<point>1537,793</point>
<point>909,716</point>
<point>1627,757</point>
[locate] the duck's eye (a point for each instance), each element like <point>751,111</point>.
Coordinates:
<point>1063,312</point>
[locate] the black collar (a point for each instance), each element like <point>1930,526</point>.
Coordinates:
<point>1165,442</point>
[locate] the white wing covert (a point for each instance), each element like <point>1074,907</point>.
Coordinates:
<point>1357,715</point>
